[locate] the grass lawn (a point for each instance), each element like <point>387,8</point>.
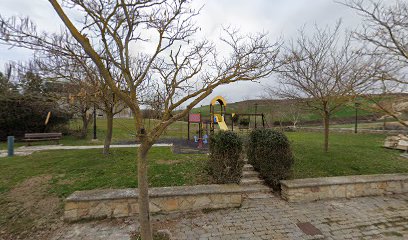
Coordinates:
<point>123,131</point>
<point>73,170</point>
<point>32,188</point>
<point>349,154</point>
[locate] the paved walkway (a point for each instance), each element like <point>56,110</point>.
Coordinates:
<point>265,216</point>
<point>27,150</point>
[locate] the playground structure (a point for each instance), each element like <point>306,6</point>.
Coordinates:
<point>217,117</point>
<point>200,139</point>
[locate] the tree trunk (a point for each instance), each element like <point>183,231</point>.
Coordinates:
<point>85,123</point>
<point>326,121</point>
<point>109,130</point>
<point>143,185</point>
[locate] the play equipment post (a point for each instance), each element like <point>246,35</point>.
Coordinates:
<point>188,128</point>
<point>193,118</point>
<point>220,115</point>
<point>10,146</point>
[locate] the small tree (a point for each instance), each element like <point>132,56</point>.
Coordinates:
<point>323,72</point>
<point>83,81</point>
<point>384,33</point>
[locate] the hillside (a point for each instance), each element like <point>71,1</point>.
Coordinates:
<point>284,110</point>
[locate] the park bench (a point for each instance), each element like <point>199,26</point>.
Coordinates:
<point>35,137</point>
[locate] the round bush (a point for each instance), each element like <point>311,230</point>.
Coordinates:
<point>270,153</point>
<point>225,163</point>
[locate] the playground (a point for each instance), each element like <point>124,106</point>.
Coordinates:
<point>180,160</point>
<point>219,119</point>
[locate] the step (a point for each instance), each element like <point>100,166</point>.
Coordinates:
<point>256,188</point>
<point>251,181</point>
<point>248,167</point>
<point>249,174</point>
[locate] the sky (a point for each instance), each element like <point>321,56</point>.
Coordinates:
<point>279,18</point>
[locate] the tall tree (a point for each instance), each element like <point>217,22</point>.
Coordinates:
<point>384,32</point>
<point>183,69</point>
<point>323,71</point>
<point>5,85</point>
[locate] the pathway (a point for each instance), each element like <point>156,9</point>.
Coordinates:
<point>265,216</point>
<point>27,150</point>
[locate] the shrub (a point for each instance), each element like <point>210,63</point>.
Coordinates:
<point>26,114</point>
<point>252,144</point>
<point>225,163</point>
<point>244,122</point>
<point>270,153</point>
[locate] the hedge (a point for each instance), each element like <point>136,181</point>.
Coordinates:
<point>225,163</point>
<point>270,153</point>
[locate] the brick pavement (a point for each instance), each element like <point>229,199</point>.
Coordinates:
<point>265,216</point>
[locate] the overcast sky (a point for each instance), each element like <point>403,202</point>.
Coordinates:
<point>277,17</point>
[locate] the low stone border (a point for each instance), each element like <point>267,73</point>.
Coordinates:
<point>351,130</point>
<point>108,203</point>
<point>311,189</point>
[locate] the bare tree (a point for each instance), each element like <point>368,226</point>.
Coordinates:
<point>293,113</point>
<point>384,32</point>
<point>182,69</point>
<point>80,103</point>
<point>86,84</point>
<point>323,71</point>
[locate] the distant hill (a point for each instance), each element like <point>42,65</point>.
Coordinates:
<point>279,111</point>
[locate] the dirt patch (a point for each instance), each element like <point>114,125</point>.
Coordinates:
<point>29,211</point>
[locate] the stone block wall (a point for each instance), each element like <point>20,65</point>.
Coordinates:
<point>115,203</point>
<point>351,130</point>
<point>312,189</point>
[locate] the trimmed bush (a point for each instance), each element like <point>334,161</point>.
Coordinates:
<point>252,144</point>
<point>225,163</point>
<point>270,153</point>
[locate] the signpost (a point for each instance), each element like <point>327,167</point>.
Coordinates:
<point>10,146</point>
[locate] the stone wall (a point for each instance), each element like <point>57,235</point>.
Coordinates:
<point>351,130</point>
<point>114,203</point>
<point>311,189</point>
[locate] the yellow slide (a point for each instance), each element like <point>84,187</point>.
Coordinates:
<point>221,123</point>
<point>223,126</point>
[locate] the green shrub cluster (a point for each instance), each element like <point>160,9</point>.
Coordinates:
<point>26,114</point>
<point>225,163</point>
<point>270,153</point>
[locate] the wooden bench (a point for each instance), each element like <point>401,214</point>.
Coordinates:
<point>35,137</point>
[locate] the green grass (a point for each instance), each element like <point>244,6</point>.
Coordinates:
<point>349,154</point>
<point>73,170</point>
<point>123,131</point>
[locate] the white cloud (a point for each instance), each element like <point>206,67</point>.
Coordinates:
<point>277,17</point>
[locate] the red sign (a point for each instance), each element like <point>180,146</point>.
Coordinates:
<point>194,118</point>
